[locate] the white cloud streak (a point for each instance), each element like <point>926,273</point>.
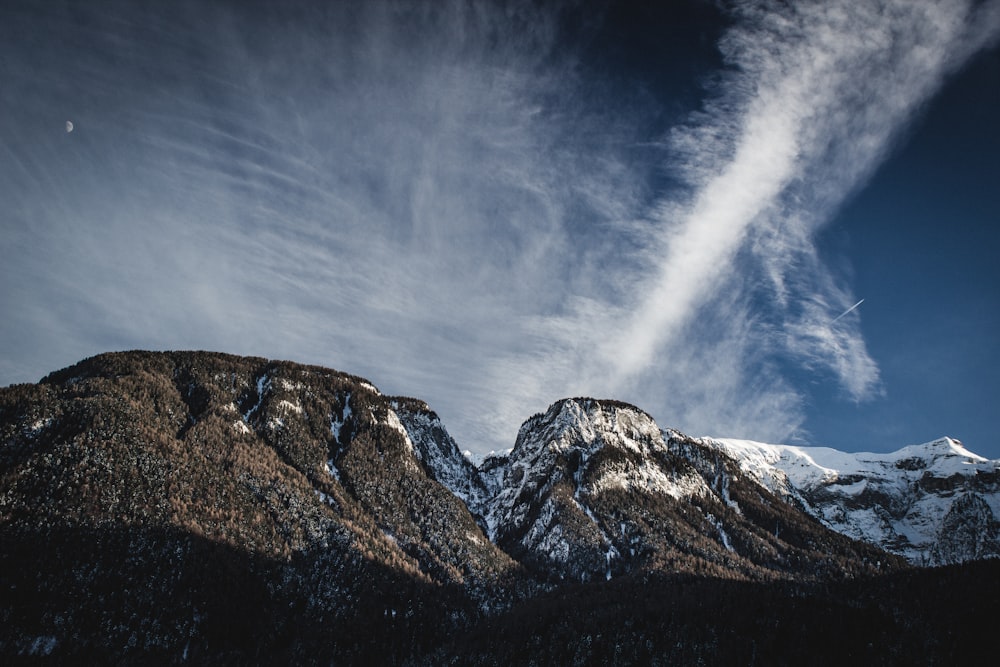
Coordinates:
<point>435,196</point>
<point>815,97</point>
<point>819,92</point>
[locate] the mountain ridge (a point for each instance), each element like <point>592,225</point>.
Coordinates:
<point>597,488</point>
<point>934,503</point>
<point>141,492</point>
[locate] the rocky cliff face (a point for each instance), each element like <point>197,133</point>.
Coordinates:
<point>564,464</point>
<point>439,453</point>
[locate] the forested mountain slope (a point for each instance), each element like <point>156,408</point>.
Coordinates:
<point>199,506</point>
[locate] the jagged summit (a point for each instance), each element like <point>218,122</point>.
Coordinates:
<point>595,489</point>
<point>562,461</point>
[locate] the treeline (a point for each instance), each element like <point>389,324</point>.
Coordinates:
<point>939,616</point>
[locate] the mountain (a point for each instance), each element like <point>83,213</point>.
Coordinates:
<point>139,490</point>
<point>935,503</point>
<point>439,452</point>
<point>595,489</point>
<point>195,506</point>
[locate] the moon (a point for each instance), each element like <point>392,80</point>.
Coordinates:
<point>69,126</point>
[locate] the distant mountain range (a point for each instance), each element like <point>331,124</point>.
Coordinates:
<point>201,506</point>
<point>935,503</point>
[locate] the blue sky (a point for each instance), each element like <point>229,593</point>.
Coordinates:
<point>493,205</point>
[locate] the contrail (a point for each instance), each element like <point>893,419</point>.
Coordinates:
<point>848,310</point>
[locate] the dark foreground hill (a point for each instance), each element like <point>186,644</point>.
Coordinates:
<point>174,507</point>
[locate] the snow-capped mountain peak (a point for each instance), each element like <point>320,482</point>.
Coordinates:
<point>900,500</point>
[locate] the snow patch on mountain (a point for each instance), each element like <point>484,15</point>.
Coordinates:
<point>331,469</point>
<point>648,477</point>
<point>37,426</point>
<point>392,421</point>
<point>263,384</point>
<point>337,423</point>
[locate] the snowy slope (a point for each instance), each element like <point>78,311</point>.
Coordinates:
<point>933,503</point>
<point>437,450</point>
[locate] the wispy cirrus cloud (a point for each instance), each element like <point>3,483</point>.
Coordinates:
<point>385,187</point>
<point>814,97</point>
<point>440,197</point>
